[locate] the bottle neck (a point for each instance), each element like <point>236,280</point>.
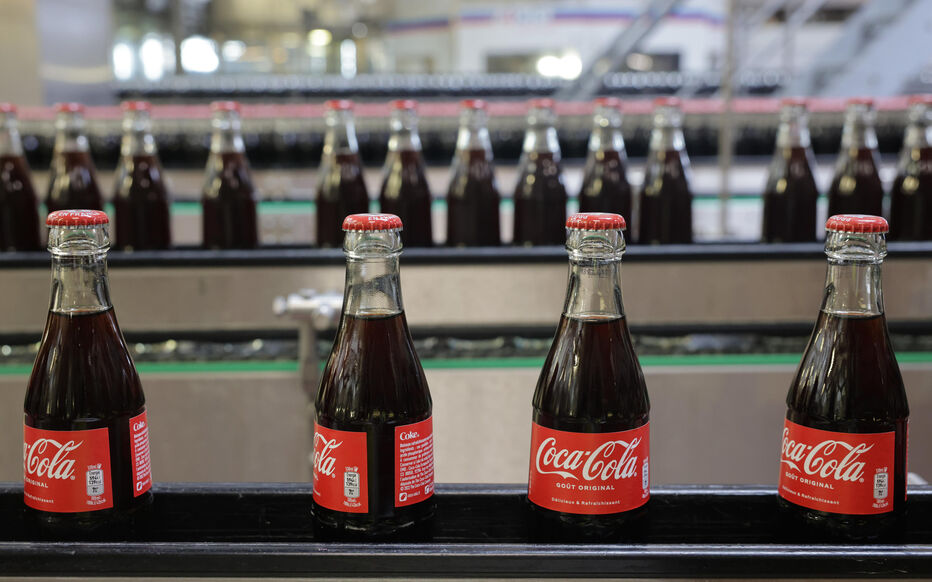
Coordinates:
<point>404,132</point>
<point>858,132</point>
<point>341,134</point>
<point>373,287</point>
<point>793,131</point>
<point>541,135</point>
<point>227,136</point>
<point>853,283</point>
<point>594,289</point>
<point>79,284</point>
<point>606,132</point>
<point>667,138</point>
<point>137,136</point>
<point>10,142</point>
<point>474,132</point>
<point>919,130</point>
<point>69,133</point>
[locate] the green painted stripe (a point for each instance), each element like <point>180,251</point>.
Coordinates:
<point>476,363</point>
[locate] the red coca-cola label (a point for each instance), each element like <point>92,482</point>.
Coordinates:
<point>837,472</point>
<point>340,472</point>
<point>67,471</point>
<point>139,452</point>
<point>589,473</point>
<point>414,462</point>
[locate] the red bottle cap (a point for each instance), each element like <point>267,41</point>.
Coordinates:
<point>541,103</point>
<point>77,218</point>
<point>860,101</point>
<point>596,221</point>
<point>69,108</point>
<point>472,104</point>
<point>136,106</point>
<point>226,106</point>
<point>613,102</point>
<point>667,102</point>
<point>339,105</point>
<point>7,108</point>
<point>857,223</point>
<point>371,222</point>
<point>793,102</point>
<point>404,104</point>
<point>913,100</point>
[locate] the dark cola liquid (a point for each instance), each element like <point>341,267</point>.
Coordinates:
<point>406,194</point>
<point>84,378</point>
<point>666,215</point>
<point>790,198</point>
<point>605,185</point>
<point>473,203</point>
<point>856,188</point>
<point>911,199</point>
<point>540,202</point>
<point>72,183</point>
<point>374,393</point>
<point>591,382</point>
<point>341,191</point>
<point>143,217</point>
<point>849,381</point>
<point>229,204</point>
<point>19,207</point>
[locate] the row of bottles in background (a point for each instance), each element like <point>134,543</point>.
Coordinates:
<point>661,214</point>
<point>791,193</point>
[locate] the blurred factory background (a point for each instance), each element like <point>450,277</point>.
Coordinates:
<point>719,326</point>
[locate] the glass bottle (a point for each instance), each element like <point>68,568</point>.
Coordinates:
<point>791,194</point>
<point>540,196</point>
<point>141,201</point>
<point>229,199</point>
<point>605,186</point>
<point>86,435</point>
<point>911,195</point>
<point>856,187</point>
<point>72,175</point>
<point>341,189</point>
<point>19,205</point>
<point>405,191</point>
<point>473,199</point>
<point>843,461</point>
<point>373,437</point>
<point>665,214</point>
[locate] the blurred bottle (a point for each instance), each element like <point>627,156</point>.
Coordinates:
<point>856,188</point>
<point>229,198</point>
<point>605,182</point>
<point>665,214</point>
<point>19,206</point>
<point>405,191</point>
<point>72,180</point>
<point>341,190</point>
<point>141,202</point>
<point>472,198</point>
<point>790,194</point>
<point>911,195</point>
<point>540,196</point>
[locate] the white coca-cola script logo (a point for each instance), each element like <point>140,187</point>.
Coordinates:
<point>323,462</point>
<point>49,458</point>
<point>609,461</point>
<point>822,459</point>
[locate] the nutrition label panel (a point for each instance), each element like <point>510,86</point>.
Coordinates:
<point>142,466</point>
<point>414,462</point>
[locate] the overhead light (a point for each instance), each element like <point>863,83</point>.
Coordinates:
<point>123,61</point>
<point>639,62</point>
<point>233,50</point>
<point>199,55</point>
<point>152,55</point>
<point>319,37</point>
<point>549,66</point>
<point>348,58</point>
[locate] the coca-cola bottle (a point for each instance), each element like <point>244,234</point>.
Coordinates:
<point>540,196</point>
<point>856,187</point>
<point>472,198</point>
<point>605,186</point>
<point>141,202</point>
<point>72,175</point>
<point>405,191</point>
<point>665,214</point>
<point>373,437</point>
<point>590,441</point>
<point>19,206</point>
<point>229,198</point>
<point>791,194</point>
<point>843,463</point>
<point>341,189</point>
<point>86,435</point>
<point>911,195</point>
